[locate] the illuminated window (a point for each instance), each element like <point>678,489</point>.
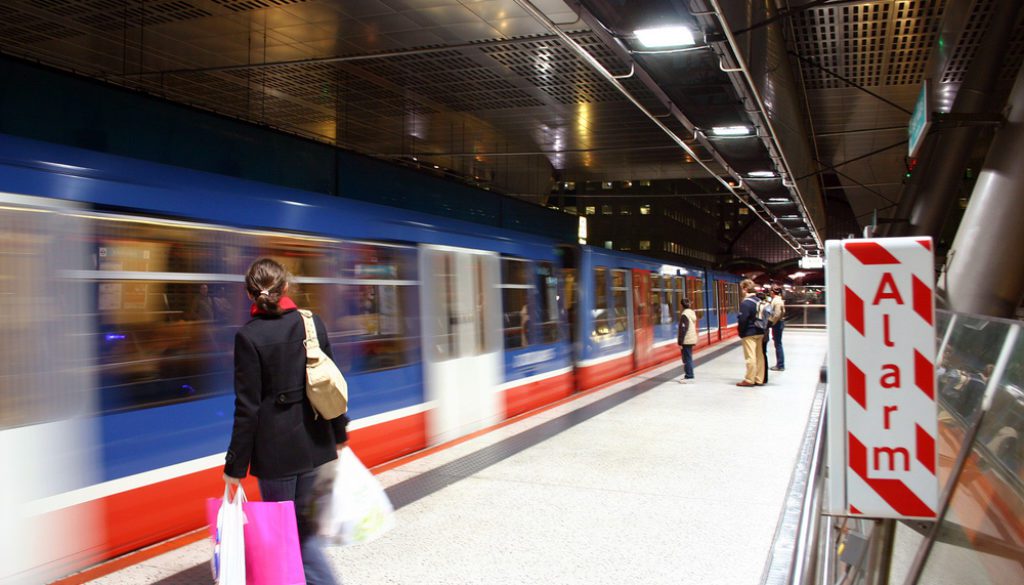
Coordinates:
<point>606,210</point>
<point>645,210</point>
<point>571,209</point>
<point>606,185</point>
<point>590,210</point>
<point>645,244</point>
<point>625,210</point>
<point>608,244</point>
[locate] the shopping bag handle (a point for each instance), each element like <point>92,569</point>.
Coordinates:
<point>239,493</point>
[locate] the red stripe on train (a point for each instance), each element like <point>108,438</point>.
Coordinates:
<point>530,395</point>
<point>597,374</point>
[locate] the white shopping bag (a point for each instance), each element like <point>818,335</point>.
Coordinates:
<point>358,510</point>
<point>228,563</point>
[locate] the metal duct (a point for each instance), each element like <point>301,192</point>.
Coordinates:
<point>776,99</point>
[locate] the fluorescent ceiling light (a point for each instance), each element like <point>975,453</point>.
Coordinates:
<point>665,36</point>
<point>732,130</point>
<point>778,200</point>
<point>762,175</point>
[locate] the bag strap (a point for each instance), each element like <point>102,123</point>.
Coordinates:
<point>311,343</point>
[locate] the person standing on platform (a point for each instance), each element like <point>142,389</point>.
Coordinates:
<point>687,338</point>
<point>764,310</point>
<point>276,435</point>
<point>777,325</point>
<point>751,337</point>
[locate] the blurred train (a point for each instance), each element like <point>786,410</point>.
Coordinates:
<point>121,287</point>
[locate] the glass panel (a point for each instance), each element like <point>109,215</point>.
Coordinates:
<point>443,277</point>
<point>167,338</point>
<point>547,285</point>
<point>619,299</point>
<point>516,285</point>
<point>569,294</point>
<point>601,315</point>
<point>981,537</point>
<point>655,304</point>
<point>372,320</point>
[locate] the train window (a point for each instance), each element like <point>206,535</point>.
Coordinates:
<point>654,302</point>
<point>680,294</point>
<point>516,285</point>
<point>668,313</point>
<point>697,298</point>
<point>168,302</point>
<point>619,292</point>
<point>442,272</point>
<point>569,294</point>
<point>547,286</point>
<point>372,307</point>
<point>602,324</point>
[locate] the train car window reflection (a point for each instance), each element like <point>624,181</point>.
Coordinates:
<point>697,297</point>
<point>602,323</point>
<point>619,292</point>
<point>547,285</point>
<point>516,286</point>
<point>160,316</point>
<point>658,309</point>
<point>443,283</point>
<point>368,318</point>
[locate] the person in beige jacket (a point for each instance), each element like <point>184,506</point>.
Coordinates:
<point>687,338</point>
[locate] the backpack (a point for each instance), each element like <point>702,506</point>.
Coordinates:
<point>325,386</point>
<point>762,315</point>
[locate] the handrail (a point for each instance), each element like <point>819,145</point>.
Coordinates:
<point>794,553</point>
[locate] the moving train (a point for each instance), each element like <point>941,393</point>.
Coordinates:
<point>122,289</point>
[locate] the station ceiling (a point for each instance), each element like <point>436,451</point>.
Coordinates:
<point>517,95</point>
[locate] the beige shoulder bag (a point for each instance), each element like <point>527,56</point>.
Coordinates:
<point>325,386</point>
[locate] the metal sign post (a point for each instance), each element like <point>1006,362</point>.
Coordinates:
<point>882,412</point>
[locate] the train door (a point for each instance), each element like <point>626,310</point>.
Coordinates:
<point>643,333</point>
<point>461,349</point>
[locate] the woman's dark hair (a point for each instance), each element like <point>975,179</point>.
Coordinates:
<point>685,303</point>
<point>265,281</point>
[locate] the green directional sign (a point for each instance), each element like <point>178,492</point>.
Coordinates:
<point>920,121</point>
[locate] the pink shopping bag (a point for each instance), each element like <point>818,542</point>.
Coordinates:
<point>272,555</point>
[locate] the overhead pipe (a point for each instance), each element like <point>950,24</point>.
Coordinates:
<point>596,65</point>
<point>755,97</point>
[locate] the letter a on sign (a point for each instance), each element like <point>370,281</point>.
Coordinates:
<point>881,426</point>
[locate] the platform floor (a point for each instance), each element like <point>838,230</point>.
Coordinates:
<point>645,481</point>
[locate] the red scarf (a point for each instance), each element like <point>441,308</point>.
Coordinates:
<point>285,304</point>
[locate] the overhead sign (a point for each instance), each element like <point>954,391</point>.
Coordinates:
<point>920,121</point>
<point>882,412</point>
<point>811,262</point>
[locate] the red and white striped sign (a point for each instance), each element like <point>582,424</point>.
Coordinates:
<point>882,412</point>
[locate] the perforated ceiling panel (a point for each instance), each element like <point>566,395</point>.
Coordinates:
<point>871,44</point>
<point>111,15</point>
<point>971,38</point>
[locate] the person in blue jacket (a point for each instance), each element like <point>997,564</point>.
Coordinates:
<point>751,336</point>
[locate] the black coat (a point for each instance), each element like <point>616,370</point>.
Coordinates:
<point>275,433</point>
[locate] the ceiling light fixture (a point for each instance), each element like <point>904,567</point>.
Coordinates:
<point>665,36</point>
<point>762,175</point>
<point>732,130</point>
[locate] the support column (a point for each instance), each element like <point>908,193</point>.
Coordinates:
<point>940,175</point>
<point>984,273</point>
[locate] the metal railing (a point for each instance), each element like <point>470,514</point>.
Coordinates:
<point>980,394</point>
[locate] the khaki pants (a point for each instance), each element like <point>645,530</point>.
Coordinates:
<point>754,359</point>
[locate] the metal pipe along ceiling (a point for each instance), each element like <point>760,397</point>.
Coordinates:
<point>582,53</point>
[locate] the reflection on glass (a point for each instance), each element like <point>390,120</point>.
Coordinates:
<point>547,295</point>
<point>515,302</point>
<point>619,300</point>
<point>981,540</point>
<point>601,323</point>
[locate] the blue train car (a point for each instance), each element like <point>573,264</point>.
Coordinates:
<point>134,271</point>
<point>628,307</point>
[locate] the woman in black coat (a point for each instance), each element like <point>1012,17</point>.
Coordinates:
<point>276,435</point>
